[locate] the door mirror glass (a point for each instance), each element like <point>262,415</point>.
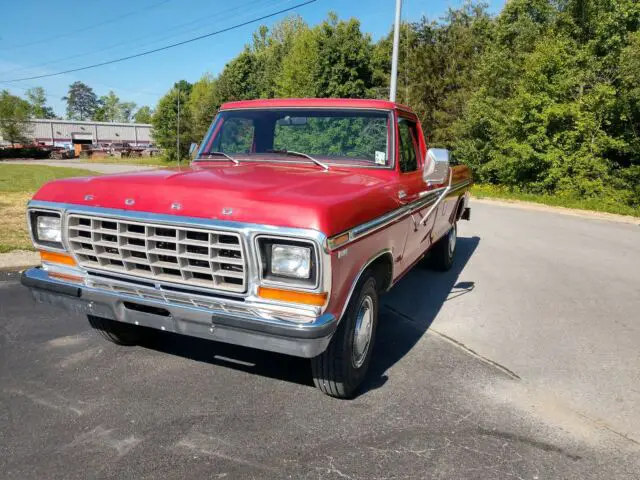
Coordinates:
<point>436,165</point>
<point>193,150</point>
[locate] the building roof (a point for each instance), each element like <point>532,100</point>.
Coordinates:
<point>89,122</point>
<point>315,102</point>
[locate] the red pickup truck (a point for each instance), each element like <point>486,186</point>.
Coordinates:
<point>292,219</point>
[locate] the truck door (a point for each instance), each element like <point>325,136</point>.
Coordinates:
<point>412,189</point>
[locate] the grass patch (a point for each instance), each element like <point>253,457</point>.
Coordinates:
<point>18,183</point>
<point>593,204</point>
<point>29,178</point>
<point>151,161</point>
<point>14,234</point>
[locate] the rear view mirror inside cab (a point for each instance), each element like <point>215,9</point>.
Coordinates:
<point>292,121</point>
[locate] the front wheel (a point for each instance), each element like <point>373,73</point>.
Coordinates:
<point>116,332</point>
<point>340,369</point>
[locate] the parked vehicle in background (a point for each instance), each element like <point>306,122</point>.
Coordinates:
<point>61,153</point>
<point>292,220</point>
<point>150,150</point>
<point>120,149</point>
<point>101,147</point>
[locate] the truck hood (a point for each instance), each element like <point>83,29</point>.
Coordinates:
<point>269,193</point>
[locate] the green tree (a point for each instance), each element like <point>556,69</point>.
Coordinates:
<point>165,121</point>
<point>543,97</point>
<point>270,47</point>
<point>143,115</point>
<point>125,111</point>
<point>203,105</point>
<point>38,100</point>
<point>297,77</point>
<point>14,118</point>
<point>553,107</point>
<point>343,67</point>
<point>81,102</point>
<point>108,109</point>
<point>240,78</point>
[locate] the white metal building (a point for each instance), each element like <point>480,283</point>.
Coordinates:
<point>69,132</point>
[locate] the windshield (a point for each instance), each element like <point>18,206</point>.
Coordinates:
<point>339,136</point>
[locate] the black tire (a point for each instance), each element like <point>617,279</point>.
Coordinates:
<point>339,371</point>
<point>116,332</point>
<point>442,254</point>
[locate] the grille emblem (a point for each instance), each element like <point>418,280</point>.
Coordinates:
<point>88,197</point>
<point>227,211</point>
<point>176,206</point>
<point>129,201</point>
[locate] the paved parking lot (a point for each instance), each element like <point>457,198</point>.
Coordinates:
<point>521,363</point>
<point>96,167</point>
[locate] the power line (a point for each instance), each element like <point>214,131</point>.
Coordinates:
<point>130,41</point>
<point>92,26</point>
<point>167,47</point>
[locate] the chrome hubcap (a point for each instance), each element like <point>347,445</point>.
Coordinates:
<point>362,332</point>
<point>453,235</point>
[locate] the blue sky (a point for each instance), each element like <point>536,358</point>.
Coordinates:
<point>40,37</point>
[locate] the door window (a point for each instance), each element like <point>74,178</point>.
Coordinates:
<point>407,146</point>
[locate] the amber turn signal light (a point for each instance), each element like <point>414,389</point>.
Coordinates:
<point>317,299</point>
<point>54,257</point>
<point>335,242</point>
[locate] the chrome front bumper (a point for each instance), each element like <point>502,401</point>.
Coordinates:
<point>250,328</point>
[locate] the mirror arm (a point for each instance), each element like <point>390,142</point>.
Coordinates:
<point>423,220</point>
<point>193,150</point>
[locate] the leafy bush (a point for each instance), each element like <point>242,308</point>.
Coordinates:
<point>543,98</point>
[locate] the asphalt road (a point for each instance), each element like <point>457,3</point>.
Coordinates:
<point>520,363</point>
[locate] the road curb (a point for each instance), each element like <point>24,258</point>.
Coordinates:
<point>18,260</point>
<point>572,212</point>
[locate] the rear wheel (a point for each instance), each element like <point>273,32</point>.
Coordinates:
<point>340,369</point>
<point>443,252</point>
<point>116,332</point>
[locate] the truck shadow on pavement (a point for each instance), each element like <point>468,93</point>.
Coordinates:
<point>409,309</point>
<point>406,313</point>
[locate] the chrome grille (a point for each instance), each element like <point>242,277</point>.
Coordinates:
<point>192,256</point>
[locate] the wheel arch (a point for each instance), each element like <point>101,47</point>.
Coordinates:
<point>459,210</point>
<point>381,265</point>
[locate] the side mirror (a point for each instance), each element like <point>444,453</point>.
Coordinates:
<point>193,150</point>
<point>436,166</point>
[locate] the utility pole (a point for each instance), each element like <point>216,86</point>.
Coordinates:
<point>178,129</point>
<point>394,57</point>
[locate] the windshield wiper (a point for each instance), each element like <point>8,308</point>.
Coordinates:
<point>324,166</point>
<point>222,154</point>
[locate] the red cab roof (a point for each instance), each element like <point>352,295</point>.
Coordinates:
<point>314,102</point>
